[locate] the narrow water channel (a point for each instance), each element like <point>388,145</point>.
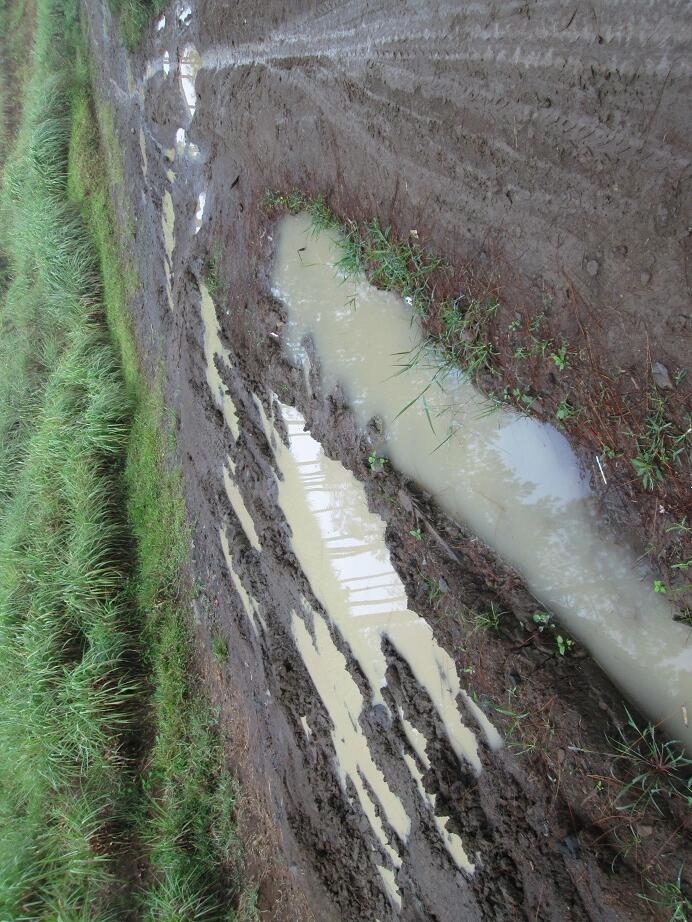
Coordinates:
<point>512,480</point>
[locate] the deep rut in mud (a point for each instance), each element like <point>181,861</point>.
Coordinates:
<point>385,804</point>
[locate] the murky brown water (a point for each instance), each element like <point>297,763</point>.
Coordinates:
<point>143,151</point>
<point>190,63</point>
<point>168,225</point>
<point>511,479</point>
<point>248,601</point>
<point>214,347</point>
<point>340,546</point>
<point>238,503</point>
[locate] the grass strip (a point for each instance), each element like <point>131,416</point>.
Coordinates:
<point>134,16</point>
<point>115,799</point>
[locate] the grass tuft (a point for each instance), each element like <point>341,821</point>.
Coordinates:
<point>655,768</point>
<point>134,17</point>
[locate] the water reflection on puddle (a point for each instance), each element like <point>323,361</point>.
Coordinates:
<point>238,503</point>
<point>199,211</point>
<point>513,480</point>
<point>340,546</point>
<point>143,152</point>
<point>248,601</point>
<point>190,63</point>
<point>184,13</point>
<point>341,549</point>
<point>213,347</point>
<point>185,148</point>
<point>168,225</point>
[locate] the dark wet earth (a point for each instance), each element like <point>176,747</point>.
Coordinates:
<point>559,127</point>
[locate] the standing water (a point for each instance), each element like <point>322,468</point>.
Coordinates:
<point>168,226</point>
<point>513,480</point>
<point>340,546</point>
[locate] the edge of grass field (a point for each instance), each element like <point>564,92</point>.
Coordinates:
<point>120,800</point>
<point>191,794</point>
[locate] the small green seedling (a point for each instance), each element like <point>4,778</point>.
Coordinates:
<point>565,411</point>
<point>376,462</point>
<point>416,533</point>
<point>536,322</point>
<point>561,357</point>
<point>542,619</point>
<point>488,620</point>
<point>523,397</point>
<point>541,346</point>
<point>564,644</point>
<point>647,472</point>
<point>670,897</point>
<point>682,527</point>
<point>654,769</point>
<point>659,586</point>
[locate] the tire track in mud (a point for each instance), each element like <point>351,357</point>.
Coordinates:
<point>366,142</point>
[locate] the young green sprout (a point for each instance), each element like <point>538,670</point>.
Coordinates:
<point>561,357</point>
<point>376,461</point>
<point>564,644</point>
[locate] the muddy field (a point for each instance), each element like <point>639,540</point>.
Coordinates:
<point>548,140</point>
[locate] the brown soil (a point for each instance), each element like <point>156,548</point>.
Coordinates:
<point>549,139</point>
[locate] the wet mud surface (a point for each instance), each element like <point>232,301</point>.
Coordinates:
<point>550,126</point>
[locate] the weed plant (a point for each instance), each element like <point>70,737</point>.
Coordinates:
<point>655,769</point>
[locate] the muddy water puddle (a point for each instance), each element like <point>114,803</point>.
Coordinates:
<point>168,226</point>
<point>199,211</point>
<point>238,503</point>
<point>184,147</point>
<point>513,480</point>
<point>341,549</point>
<point>249,603</point>
<point>190,63</point>
<point>143,152</point>
<point>213,349</point>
